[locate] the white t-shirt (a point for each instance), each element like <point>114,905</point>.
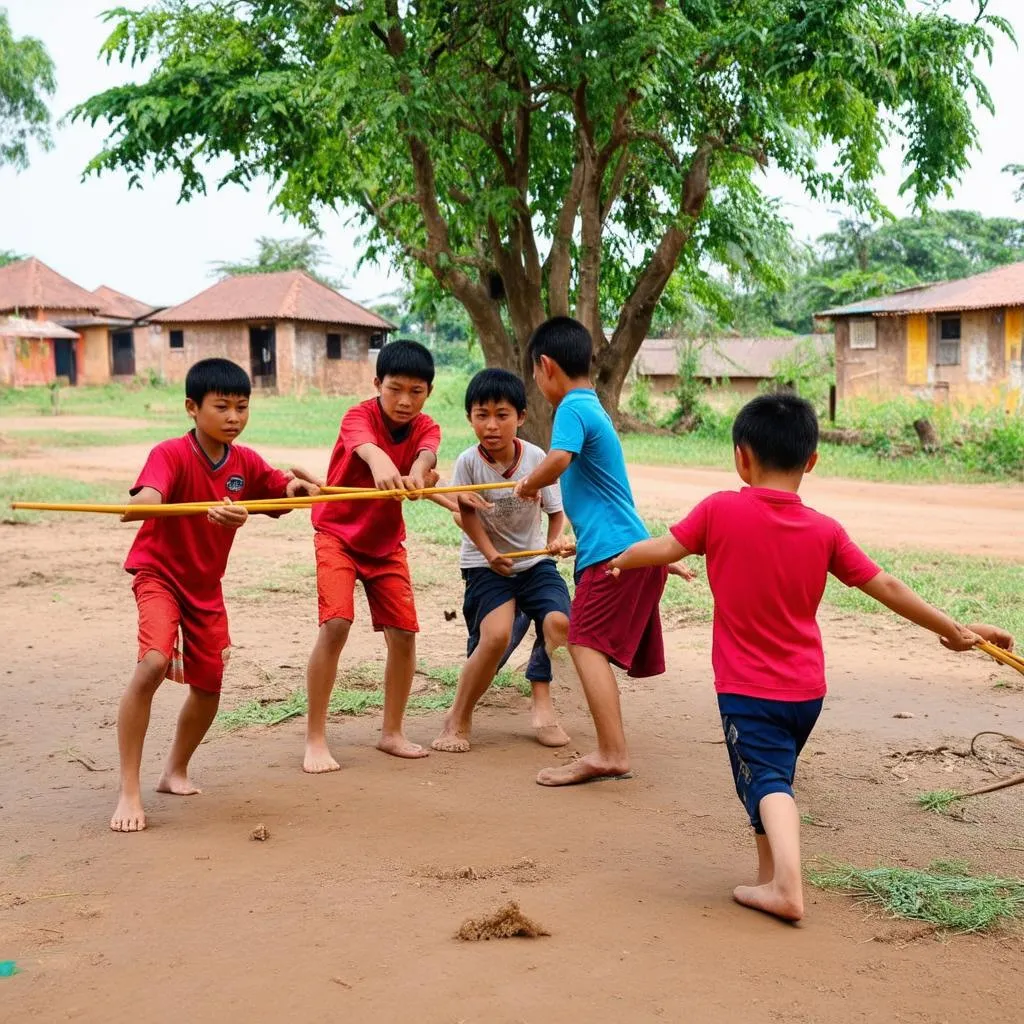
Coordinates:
<point>512,525</point>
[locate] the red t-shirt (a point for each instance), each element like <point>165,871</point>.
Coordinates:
<point>768,556</point>
<point>371,527</point>
<point>190,550</point>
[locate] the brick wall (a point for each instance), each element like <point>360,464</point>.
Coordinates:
<point>202,341</point>
<point>351,375</point>
<point>878,372</point>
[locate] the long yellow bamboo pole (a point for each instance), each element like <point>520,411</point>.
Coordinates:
<point>254,505</point>
<point>535,554</point>
<point>1003,656</point>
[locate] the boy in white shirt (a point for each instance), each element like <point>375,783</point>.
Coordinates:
<point>496,586</point>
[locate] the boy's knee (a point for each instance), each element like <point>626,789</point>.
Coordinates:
<point>495,641</point>
<point>152,669</point>
<point>556,629</point>
<point>402,639</point>
<point>335,631</point>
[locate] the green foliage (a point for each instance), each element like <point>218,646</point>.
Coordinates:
<point>938,800</point>
<point>26,76</point>
<point>277,254</point>
<point>808,370</point>
<point>689,393</point>
<point>623,136</point>
<point>9,256</point>
<point>639,403</point>
<point>944,895</point>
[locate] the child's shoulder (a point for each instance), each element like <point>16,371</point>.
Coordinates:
<point>533,451</point>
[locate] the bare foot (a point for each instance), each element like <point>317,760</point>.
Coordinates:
<point>398,746</point>
<point>318,759</point>
<point>179,785</point>
<point>589,768</point>
<point>128,815</point>
<point>767,898</point>
<point>552,735</point>
<point>452,740</point>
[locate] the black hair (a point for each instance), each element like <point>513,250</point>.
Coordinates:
<point>781,430</point>
<point>216,377</point>
<point>496,385</point>
<point>405,359</point>
<point>565,341</point>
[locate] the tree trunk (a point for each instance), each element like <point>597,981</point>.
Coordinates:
<point>927,435</point>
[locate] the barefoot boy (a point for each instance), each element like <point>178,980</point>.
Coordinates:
<point>768,557</point>
<point>178,563</point>
<point>498,587</point>
<point>606,625</point>
<point>386,442</point>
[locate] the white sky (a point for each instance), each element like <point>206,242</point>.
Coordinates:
<point>144,243</point>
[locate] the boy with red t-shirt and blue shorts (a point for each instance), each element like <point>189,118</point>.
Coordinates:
<point>768,557</point>
<point>387,443</point>
<point>178,563</point>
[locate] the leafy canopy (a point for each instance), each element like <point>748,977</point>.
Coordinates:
<point>552,156</point>
<point>26,76</point>
<point>276,254</point>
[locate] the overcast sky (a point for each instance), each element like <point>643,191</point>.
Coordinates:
<point>144,243</point>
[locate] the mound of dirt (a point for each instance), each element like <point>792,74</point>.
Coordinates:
<point>507,922</point>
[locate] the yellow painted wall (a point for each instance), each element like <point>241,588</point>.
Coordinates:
<point>1013,341</point>
<point>94,350</point>
<point>917,349</point>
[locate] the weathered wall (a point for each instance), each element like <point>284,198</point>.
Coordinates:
<point>25,361</point>
<point>202,341</point>
<point>877,372</point>
<point>93,355</point>
<point>151,355</point>
<point>351,375</point>
<point>733,387</point>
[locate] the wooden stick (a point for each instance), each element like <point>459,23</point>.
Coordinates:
<point>253,504</point>
<point>536,554</point>
<point>1002,656</point>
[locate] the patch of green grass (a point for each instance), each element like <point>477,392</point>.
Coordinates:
<point>33,487</point>
<point>938,800</point>
<point>360,695</point>
<point>945,894</point>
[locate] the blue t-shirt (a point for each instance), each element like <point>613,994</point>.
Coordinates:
<point>595,488</point>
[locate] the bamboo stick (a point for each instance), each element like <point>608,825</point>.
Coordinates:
<point>253,504</point>
<point>1002,656</point>
<point>535,554</point>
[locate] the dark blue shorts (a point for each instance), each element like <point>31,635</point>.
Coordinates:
<point>537,592</point>
<point>764,739</point>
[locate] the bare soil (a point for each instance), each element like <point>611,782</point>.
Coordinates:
<point>349,909</point>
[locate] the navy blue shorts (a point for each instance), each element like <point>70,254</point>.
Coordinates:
<point>764,739</point>
<point>537,592</point>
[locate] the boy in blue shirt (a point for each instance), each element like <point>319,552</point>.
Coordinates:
<point>609,624</point>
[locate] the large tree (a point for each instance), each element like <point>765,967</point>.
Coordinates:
<point>26,76</point>
<point>553,157</point>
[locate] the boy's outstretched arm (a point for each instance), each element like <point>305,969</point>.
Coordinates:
<point>385,473</point>
<point>656,551</point>
<point>474,530</point>
<point>144,496</point>
<point>555,463</point>
<point>422,473</point>
<point>993,634</point>
<point>898,597</point>
<point>556,543</point>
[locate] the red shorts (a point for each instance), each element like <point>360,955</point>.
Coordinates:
<point>385,580</point>
<point>619,617</point>
<point>163,611</point>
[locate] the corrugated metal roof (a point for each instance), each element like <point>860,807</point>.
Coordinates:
<point>31,284</point>
<point>288,295</point>
<point>20,327</point>
<point>726,357</point>
<point>1003,286</point>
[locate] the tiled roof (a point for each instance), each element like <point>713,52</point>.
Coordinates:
<point>288,295</point>
<point>20,327</point>
<point>1003,286</point>
<point>124,307</point>
<point>726,357</point>
<point>31,284</point>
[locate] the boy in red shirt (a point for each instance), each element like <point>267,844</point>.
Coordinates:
<point>178,563</point>
<point>385,442</point>
<point>768,557</point>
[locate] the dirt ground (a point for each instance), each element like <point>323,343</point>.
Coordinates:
<point>348,911</point>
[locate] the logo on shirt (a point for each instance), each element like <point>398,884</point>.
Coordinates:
<point>235,484</point>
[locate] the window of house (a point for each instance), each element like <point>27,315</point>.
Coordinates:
<point>862,333</point>
<point>333,346</point>
<point>177,339</point>
<point>948,353</point>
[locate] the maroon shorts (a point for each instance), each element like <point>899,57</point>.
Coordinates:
<point>619,617</point>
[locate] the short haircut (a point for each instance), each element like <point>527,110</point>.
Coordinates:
<point>781,430</point>
<point>405,359</point>
<point>565,341</point>
<point>216,377</point>
<point>495,385</point>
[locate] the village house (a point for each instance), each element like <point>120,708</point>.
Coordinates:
<point>953,341</point>
<point>737,366</point>
<point>28,350</point>
<point>288,330</point>
<point>101,330</point>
